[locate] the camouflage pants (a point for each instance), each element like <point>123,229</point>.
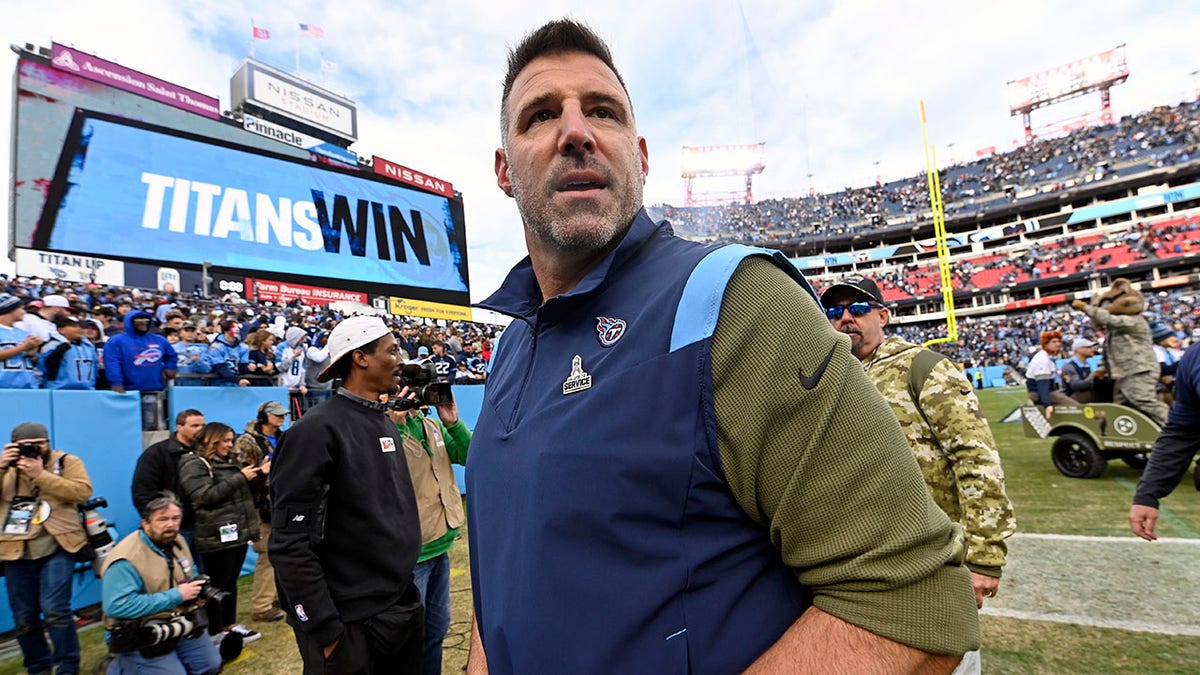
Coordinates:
<point>1137,390</point>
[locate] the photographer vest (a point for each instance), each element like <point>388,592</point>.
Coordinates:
<point>159,573</point>
<point>439,502</point>
<point>63,523</point>
<point>606,536</point>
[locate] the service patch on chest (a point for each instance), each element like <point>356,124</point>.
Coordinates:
<point>578,380</point>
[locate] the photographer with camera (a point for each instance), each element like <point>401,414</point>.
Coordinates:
<point>42,532</point>
<point>345,533</point>
<point>153,611</point>
<point>430,446</point>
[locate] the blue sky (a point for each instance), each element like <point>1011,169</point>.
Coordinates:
<point>830,87</point>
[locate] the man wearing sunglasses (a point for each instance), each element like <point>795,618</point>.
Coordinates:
<point>940,415</point>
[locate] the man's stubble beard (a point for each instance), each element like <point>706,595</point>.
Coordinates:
<point>586,229</point>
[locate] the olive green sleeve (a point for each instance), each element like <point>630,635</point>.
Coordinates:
<point>814,454</point>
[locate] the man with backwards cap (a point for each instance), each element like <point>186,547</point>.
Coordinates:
<point>942,421</point>
<point>17,347</point>
<point>1077,375</point>
<point>345,534</point>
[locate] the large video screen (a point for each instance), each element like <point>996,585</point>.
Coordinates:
<point>133,190</point>
<point>46,99</point>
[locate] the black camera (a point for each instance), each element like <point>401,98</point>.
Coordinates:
<point>422,379</point>
<point>31,450</point>
<point>208,592</point>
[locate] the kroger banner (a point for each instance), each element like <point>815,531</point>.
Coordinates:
<point>127,189</point>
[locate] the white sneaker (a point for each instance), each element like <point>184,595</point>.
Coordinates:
<point>216,639</point>
<point>248,635</point>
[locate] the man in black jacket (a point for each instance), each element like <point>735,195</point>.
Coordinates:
<point>158,470</point>
<point>1174,450</point>
<point>344,528</point>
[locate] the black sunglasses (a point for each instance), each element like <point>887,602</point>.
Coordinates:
<point>856,309</point>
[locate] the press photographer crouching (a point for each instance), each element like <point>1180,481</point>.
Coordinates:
<point>41,536</point>
<point>153,599</point>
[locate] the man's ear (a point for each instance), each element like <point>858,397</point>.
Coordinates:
<point>502,178</point>
<point>884,316</point>
<point>645,152</point>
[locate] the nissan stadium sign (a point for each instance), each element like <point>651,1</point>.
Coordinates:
<point>262,86</point>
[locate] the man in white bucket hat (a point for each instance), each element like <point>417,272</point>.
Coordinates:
<point>345,533</point>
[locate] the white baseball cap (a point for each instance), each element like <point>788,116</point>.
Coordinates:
<point>55,301</point>
<point>349,335</point>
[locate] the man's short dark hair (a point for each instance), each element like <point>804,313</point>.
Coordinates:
<point>182,418</point>
<point>562,36</point>
<point>227,324</point>
<point>164,499</point>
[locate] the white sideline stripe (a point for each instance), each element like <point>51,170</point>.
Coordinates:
<point>1137,626</point>
<point>1114,540</point>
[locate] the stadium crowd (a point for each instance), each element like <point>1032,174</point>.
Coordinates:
<point>1010,339</point>
<point>86,336</point>
<point>1163,136</point>
<point>1079,254</point>
<point>232,341</point>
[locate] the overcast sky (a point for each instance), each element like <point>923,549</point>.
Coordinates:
<point>830,87</point>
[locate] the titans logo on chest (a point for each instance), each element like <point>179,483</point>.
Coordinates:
<point>609,330</point>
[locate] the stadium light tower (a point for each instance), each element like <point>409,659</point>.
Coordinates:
<point>1096,73</point>
<point>715,161</point>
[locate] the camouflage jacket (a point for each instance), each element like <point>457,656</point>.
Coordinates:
<point>955,449</point>
<point>1128,349</point>
<point>250,449</point>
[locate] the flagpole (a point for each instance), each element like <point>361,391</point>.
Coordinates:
<point>251,37</point>
<point>298,35</point>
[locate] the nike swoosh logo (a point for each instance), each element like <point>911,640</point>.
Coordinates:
<point>810,382</point>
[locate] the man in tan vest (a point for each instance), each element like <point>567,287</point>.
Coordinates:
<point>41,490</point>
<point>150,593</point>
<point>430,446</point>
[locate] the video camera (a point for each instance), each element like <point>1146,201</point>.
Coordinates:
<point>421,379</point>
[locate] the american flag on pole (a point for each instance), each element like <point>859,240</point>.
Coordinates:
<point>261,33</point>
<point>328,66</point>
<point>309,30</point>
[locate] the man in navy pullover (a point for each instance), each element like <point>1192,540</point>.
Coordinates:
<point>641,502</point>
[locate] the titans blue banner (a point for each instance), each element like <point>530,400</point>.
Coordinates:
<point>132,190</point>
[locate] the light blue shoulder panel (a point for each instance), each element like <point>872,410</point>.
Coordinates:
<point>696,316</point>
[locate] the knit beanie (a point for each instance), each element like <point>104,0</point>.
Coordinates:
<point>9,303</point>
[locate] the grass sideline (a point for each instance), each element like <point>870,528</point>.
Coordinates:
<point>1045,502</point>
